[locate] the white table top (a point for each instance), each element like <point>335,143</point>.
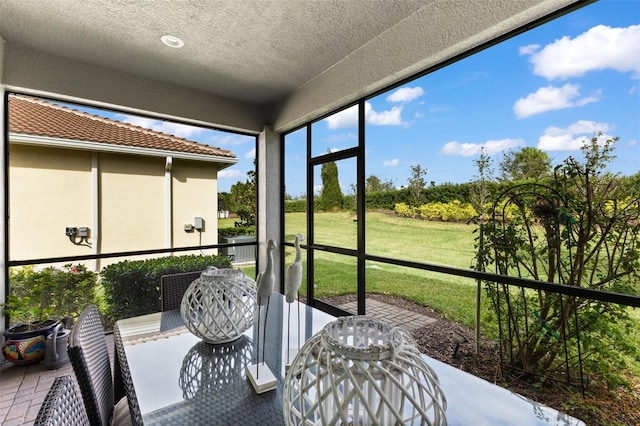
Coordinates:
<point>177,377</point>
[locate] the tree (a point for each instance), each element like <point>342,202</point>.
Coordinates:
<point>527,163</point>
<point>243,196</point>
<point>416,184</point>
<point>331,196</point>
<point>479,190</point>
<point>225,201</point>
<point>374,184</point>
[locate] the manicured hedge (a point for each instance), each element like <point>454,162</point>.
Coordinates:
<point>235,231</point>
<point>295,206</point>
<point>454,211</point>
<point>132,288</point>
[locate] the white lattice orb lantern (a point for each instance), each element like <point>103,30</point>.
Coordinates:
<point>220,305</point>
<point>359,371</point>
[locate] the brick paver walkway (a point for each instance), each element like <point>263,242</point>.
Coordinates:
<point>392,315</point>
<point>23,388</point>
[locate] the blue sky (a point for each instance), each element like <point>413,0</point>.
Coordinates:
<point>550,88</point>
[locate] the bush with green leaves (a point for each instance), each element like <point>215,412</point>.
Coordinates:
<point>40,294</point>
<point>581,228</point>
<point>132,288</point>
<point>234,232</point>
<point>454,211</point>
<point>295,206</point>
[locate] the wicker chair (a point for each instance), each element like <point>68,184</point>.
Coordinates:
<point>173,286</point>
<point>121,370</point>
<point>62,406</point>
<point>89,357</point>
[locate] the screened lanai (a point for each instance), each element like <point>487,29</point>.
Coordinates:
<point>272,70</point>
<point>262,68</point>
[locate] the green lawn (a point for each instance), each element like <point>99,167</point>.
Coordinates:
<point>451,244</point>
<point>442,243</point>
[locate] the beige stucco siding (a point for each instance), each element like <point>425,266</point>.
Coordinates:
<point>195,189</point>
<point>131,202</point>
<point>49,190</point>
<point>138,207</point>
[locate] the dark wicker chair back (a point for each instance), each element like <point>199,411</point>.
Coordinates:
<point>121,370</point>
<point>62,406</point>
<point>89,357</point>
<point>173,286</point>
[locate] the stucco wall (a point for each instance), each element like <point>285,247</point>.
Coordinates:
<point>131,202</point>
<point>49,189</point>
<point>195,193</point>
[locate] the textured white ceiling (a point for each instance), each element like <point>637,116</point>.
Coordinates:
<point>255,51</point>
<point>259,62</point>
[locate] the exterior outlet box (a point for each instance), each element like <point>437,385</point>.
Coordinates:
<point>188,227</point>
<point>83,231</point>
<point>71,231</point>
<point>198,223</point>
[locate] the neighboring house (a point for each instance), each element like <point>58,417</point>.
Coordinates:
<point>133,188</point>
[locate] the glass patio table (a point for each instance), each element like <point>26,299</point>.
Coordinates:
<point>173,377</point>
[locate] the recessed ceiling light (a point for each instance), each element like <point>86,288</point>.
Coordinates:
<point>172,41</point>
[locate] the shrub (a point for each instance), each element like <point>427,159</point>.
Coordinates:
<point>385,199</point>
<point>133,287</point>
<point>580,228</point>
<point>235,231</point>
<point>295,206</point>
<point>447,192</point>
<point>454,211</point>
<point>404,210</point>
<point>49,293</point>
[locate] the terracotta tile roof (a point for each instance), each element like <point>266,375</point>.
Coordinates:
<point>36,117</point>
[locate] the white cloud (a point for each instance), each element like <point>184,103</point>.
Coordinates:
<point>529,49</point>
<point>391,163</point>
<point>573,137</point>
<point>405,94</point>
<point>229,174</point>
<point>599,48</point>
<point>345,118</point>
<point>391,117</point>
<point>551,98</point>
<point>170,128</point>
<point>250,155</point>
<point>491,147</point>
<point>349,117</point>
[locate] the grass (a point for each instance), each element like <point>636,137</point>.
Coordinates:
<point>450,244</point>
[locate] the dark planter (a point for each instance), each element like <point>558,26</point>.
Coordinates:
<point>26,343</point>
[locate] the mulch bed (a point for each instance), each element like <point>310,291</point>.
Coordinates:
<point>599,406</point>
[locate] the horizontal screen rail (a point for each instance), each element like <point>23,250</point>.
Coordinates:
<point>124,254</point>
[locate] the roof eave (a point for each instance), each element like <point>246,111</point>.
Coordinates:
<point>46,141</point>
